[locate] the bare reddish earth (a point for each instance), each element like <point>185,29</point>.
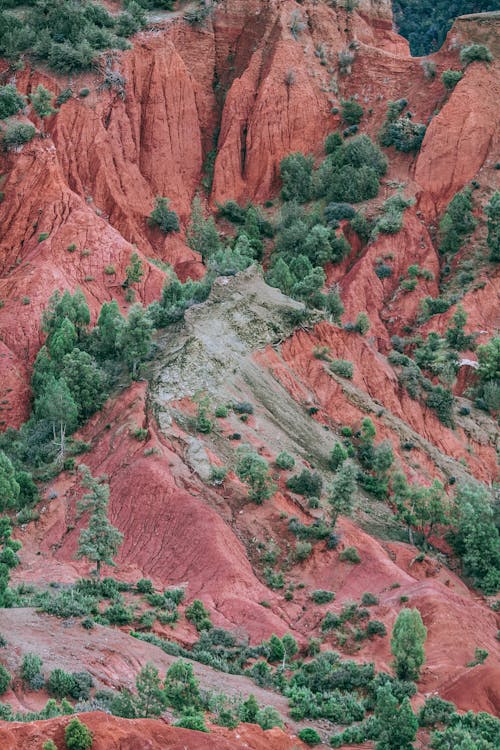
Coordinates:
<point>112,733</point>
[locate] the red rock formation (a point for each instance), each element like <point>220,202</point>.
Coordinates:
<point>111,733</point>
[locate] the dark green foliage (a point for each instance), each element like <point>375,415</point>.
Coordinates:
<point>31,668</point>
<point>16,134</point>
<point>194,720</point>
<point>450,78</point>
<point>198,615</point>
<point>401,132</point>
<point>100,541</point>
<point>477,539</point>
<point>65,35</point>
<point>151,700</point>
<point>9,486</point>
<point>351,173</point>
<point>397,722</point>
<point>163,217</point>
<point>341,491</point>
<point>455,336</point>
<point>202,235</point>
<point>350,554</point>
<point>248,709</point>
<point>321,596</point>
<point>375,627</point>
<point>435,711</point>
<point>335,212</point>
<point>309,736</point>
<point>332,142</point>
<point>11,101</point>
<point>254,471</point>
<point>177,298</point>
<point>5,679</point>
<point>76,685</point>
<point>337,456</point>
<point>492,211</point>
<point>8,560</point>
<point>425,23</point>
<point>268,717</point>
<point>342,367</point>
<point>306,483</point>
<point>369,600</point>
<point>440,400</point>
<point>391,220</point>
<point>295,173</point>
<point>77,736</point>
<point>285,461</point>
<point>352,112</point>
<point>457,222</point>
<point>134,338</point>
<point>407,644</point>
<point>181,686</point>
<point>475,53</point>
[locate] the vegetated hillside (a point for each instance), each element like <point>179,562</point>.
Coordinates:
<point>248,353</point>
<point>426,24</point>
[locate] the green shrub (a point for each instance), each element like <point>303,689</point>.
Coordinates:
<point>435,711</point>
<point>352,112</point>
<point>49,745</point>
<point>284,461</point>
<point>369,600</point>
<point>332,142</point>
<point>375,627</point>
<point>254,471</point>
<point>221,411</point>
<point>198,615</point>
<point>492,211</point>
<point>457,222</point>
<point>11,101</point>
<point>450,78</point>
<point>309,736</point>
<point>192,720</point>
<point>268,717</point>
<point>404,134</point>
<point>350,554</point>
<point>16,134</point>
<point>144,586</point>
<point>163,217</point>
<point>295,173</point>
<point>77,736</point>
<point>31,668</point>
<point>306,483</point>
<point>475,53</point>
<point>302,551</point>
<point>342,367</point>
<point>321,596</point>
<point>5,679</point>
<point>119,614</point>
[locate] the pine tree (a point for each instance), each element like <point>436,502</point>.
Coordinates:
<point>63,340</point>
<point>134,338</point>
<point>9,487</point>
<point>100,541</point>
<point>254,470</point>
<point>41,101</point>
<point>105,334</point>
<point>492,211</point>
<point>397,723</point>
<point>56,405</point>
<point>202,235</point>
<point>181,686</point>
<point>8,559</point>
<point>407,644</point>
<point>340,496</point>
<point>134,271</point>
<point>86,381</point>
<point>151,699</point>
<point>280,276</point>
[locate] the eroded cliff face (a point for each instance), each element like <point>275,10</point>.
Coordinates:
<point>253,88</point>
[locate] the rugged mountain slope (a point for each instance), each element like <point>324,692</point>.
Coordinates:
<point>257,81</point>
